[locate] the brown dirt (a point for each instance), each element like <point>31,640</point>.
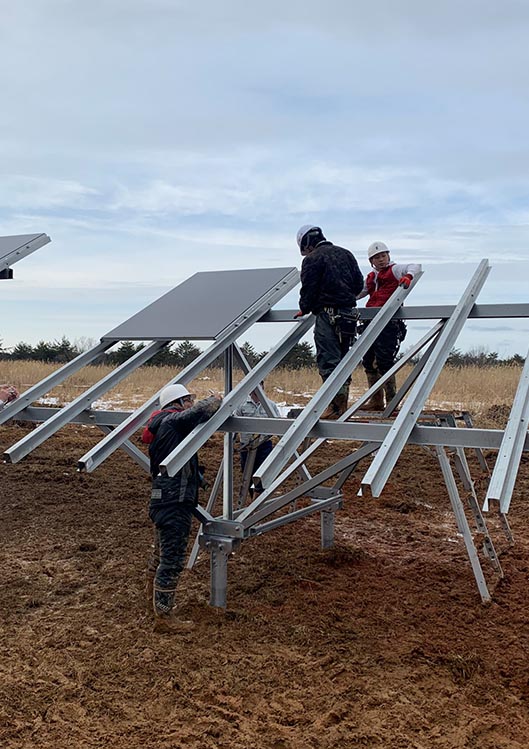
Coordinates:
<point>382,642</point>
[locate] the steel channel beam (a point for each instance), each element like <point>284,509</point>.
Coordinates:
<point>333,503</point>
<point>360,431</point>
<point>87,417</point>
<point>94,457</point>
<point>263,399</point>
<point>462,523</point>
<point>227,496</point>
<point>404,359</point>
<point>259,509</point>
<point>426,312</point>
<point>132,451</point>
<point>284,450</point>
<point>64,416</point>
<point>23,251</point>
<point>301,459</point>
<point>383,463</point>
<point>48,383</point>
<point>188,447</point>
<point>508,461</point>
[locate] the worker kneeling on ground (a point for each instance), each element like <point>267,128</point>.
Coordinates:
<point>173,498</point>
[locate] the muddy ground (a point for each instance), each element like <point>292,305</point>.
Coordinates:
<point>381,642</point>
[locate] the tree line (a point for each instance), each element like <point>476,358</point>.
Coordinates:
<point>179,355</point>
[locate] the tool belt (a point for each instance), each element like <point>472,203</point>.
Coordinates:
<point>344,319</point>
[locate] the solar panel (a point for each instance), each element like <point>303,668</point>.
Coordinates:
<point>14,248</point>
<point>201,307</point>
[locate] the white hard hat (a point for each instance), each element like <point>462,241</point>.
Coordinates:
<point>173,393</point>
<point>375,248</point>
<point>304,230</point>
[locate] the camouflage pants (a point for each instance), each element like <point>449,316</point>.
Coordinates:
<point>172,526</point>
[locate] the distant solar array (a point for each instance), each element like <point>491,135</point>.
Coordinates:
<point>14,248</point>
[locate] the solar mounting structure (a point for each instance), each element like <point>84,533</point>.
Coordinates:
<point>14,248</point>
<point>221,306</point>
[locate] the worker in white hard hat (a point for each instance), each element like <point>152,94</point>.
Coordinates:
<point>8,393</point>
<point>379,285</point>
<point>330,283</point>
<point>173,498</point>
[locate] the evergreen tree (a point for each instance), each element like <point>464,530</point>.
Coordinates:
<point>300,356</point>
<point>185,353</point>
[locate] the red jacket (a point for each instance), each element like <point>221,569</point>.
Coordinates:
<point>380,286</point>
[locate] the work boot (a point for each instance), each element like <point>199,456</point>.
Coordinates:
<point>165,620</point>
<point>165,624</point>
<point>340,404</point>
<point>390,389</point>
<point>376,402</point>
<point>330,412</point>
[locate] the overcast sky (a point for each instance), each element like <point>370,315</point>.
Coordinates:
<point>155,138</point>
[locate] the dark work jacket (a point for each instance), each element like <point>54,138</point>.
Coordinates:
<point>168,429</point>
<point>330,277</point>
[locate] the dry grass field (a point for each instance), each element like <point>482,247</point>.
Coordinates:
<point>473,389</point>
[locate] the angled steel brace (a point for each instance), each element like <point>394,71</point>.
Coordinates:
<point>325,506</point>
<point>48,383</point>
<point>265,505</point>
<point>263,399</point>
<point>85,400</point>
<point>188,447</point>
<point>404,359</point>
<point>380,469</point>
<point>132,451</point>
<point>508,461</point>
<point>295,435</point>
<point>462,523</point>
<point>106,447</point>
<point>209,509</point>
<point>311,449</point>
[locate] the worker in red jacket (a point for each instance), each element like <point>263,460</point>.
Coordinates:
<point>173,498</point>
<point>379,285</point>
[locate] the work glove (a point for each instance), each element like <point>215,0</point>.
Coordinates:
<point>298,314</point>
<point>406,280</point>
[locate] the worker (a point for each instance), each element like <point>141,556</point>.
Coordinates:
<point>173,498</point>
<point>330,283</point>
<point>379,285</point>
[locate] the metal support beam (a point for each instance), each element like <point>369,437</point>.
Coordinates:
<point>181,454</point>
<point>462,523</point>
<point>380,469</point>
<point>65,415</point>
<point>327,529</point>
<point>227,503</point>
<point>295,435</point>
<point>209,509</point>
<point>501,485</point>
<point>220,549</point>
<point>425,312</point>
<point>263,400</point>
<point>55,378</point>
<point>106,447</point>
